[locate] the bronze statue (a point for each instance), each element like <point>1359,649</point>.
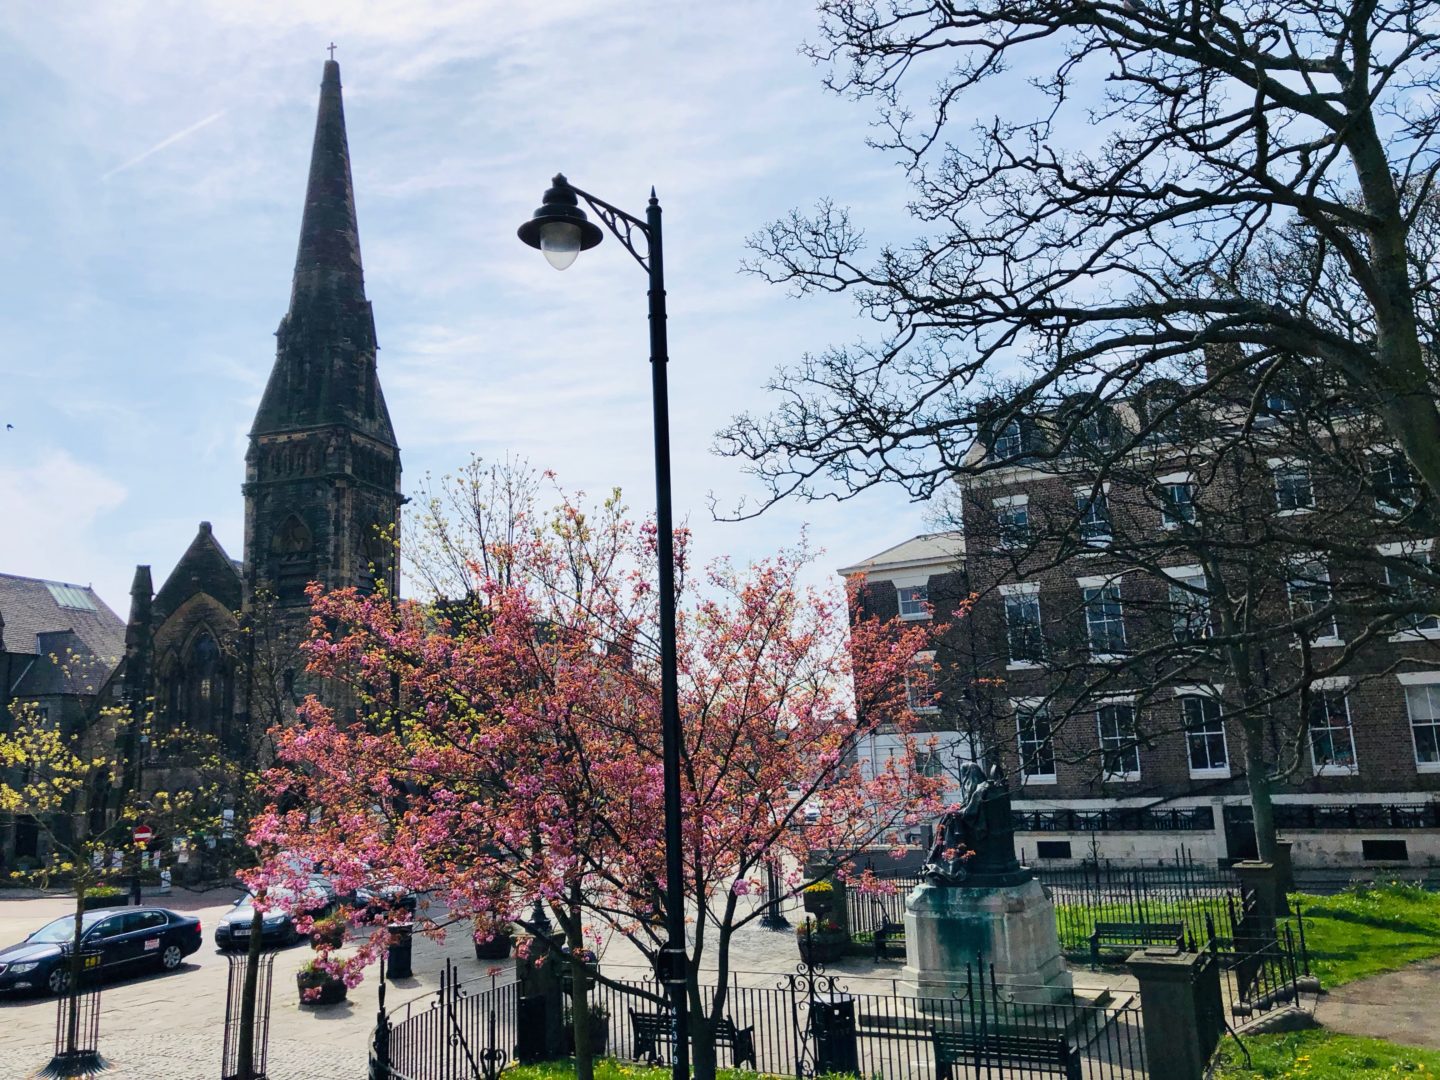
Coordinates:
<point>975,842</point>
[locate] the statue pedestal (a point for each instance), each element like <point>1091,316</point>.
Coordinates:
<point>1011,926</point>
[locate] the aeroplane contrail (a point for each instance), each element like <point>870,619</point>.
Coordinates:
<point>169,140</point>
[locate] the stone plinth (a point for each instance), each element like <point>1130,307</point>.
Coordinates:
<point>1009,926</point>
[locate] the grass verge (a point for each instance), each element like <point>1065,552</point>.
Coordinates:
<point>1369,930</point>
<point>1322,1055</point>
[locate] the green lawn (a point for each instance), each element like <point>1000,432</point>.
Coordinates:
<point>1321,1055</point>
<point>1362,931</point>
<point>1075,921</point>
<point>1366,931</point>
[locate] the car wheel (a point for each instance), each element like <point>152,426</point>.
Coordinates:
<point>172,956</point>
<point>59,980</point>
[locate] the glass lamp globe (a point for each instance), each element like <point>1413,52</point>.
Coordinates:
<point>560,243</point>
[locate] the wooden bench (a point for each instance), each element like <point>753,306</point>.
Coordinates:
<point>887,933</point>
<point>654,1029</point>
<point>1036,1054</point>
<point>1134,934</point>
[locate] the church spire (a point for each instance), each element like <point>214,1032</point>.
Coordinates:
<point>324,373</point>
<point>327,264</point>
<point>322,475</point>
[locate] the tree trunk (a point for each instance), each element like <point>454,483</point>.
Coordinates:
<point>579,995</point>
<point>1257,778</point>
<point>77,969</point>
<point>245,1060</point>
<point>702,1029</point>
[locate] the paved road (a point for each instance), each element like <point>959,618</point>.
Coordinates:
<point>169,1027</point>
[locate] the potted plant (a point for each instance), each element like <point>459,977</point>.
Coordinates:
<point>599,1028</point>
<point>818,897</point>
<point>821,941</point>
<point>495,946</point>
<point>328,932</point>
<point>318,986</point>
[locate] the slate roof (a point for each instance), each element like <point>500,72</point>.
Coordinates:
<point>70,622</point>
<point>942,549</point>
<point>205,567</point>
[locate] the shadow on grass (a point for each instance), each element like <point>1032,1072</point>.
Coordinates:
<point>1378,922</point>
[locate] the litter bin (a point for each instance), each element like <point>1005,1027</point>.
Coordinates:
<point>397,953</point>
<point>832,1025</point>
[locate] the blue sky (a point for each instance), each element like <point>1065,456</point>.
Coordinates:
<point>150,198</point>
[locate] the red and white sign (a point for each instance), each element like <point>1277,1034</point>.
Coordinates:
<point>143,834</point>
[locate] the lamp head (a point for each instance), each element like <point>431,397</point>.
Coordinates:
<point>560,228</point>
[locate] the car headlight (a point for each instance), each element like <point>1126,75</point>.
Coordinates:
<point>21,969</point>
<point>274,920</point>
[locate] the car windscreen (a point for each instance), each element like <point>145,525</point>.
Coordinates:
<point>63,929</point>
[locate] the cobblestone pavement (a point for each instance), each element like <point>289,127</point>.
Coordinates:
<point>169,1027</point>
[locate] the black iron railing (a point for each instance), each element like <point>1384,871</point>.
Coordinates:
<point>1117,819</point>
<point>804,1025</point>
<point>1357,815</point>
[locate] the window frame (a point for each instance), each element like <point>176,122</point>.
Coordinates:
<point>1428,679</point>
<point>1023,591</point>
<point>1009,534</point>
<point>1407,550</point>
<point>1164,484</point>
<point>1087,500</point>
<point>1291,467</point>
<point>1024,708</point>
<point>1176,577</point>
<point>1325,690</point>
<point>914,616</point>
<point>1402,506</point>
<point>1184,694</point>
<point>1303,563</point>
<point>1093,589</point>
<point>922,658</point>
<point>1109,776</point>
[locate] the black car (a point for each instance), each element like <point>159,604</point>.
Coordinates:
<point>125,938</point>
<point>277,926</point>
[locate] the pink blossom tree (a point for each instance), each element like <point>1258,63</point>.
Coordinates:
<point>504,748</point>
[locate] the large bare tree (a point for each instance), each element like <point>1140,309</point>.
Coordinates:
<point>1103,189</point>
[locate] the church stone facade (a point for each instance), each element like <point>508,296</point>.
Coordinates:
<point>322,490</point>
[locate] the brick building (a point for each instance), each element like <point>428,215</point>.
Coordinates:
<point>1110,591</point>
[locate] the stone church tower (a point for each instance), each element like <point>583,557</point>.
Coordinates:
<point>322,495</point>
<point>322,476</point>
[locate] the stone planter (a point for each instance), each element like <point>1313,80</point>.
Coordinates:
<point>332,991</point>
<point>819,903</point>
<point>497,948</point>
<point>821,948</point>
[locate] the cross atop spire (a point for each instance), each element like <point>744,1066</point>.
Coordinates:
<point>332,50</point>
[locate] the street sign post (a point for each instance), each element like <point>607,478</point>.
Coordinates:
<point>143,834</point>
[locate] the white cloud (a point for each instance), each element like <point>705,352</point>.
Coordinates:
<point>49,508</point>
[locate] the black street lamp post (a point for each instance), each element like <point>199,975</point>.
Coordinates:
<point>561,230</point>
